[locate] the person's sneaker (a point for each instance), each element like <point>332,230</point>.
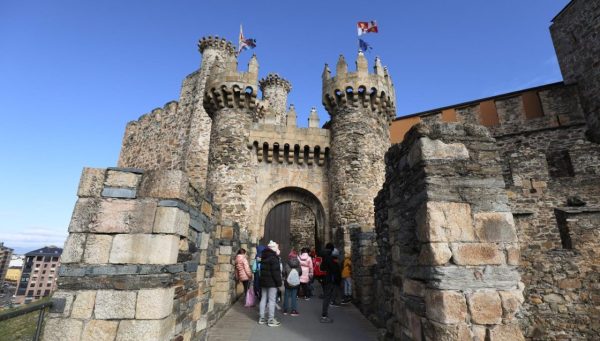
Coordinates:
<point>333,304</point>
<point>262,320</point>
<point>306,298</point>
<point>284,312</point>
<point>273,323</point>
<point>294,313</point>
<point>325,319</point>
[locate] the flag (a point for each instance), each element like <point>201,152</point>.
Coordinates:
<point>364,27</point>
<point>245,43</point>
<point>363,45</point>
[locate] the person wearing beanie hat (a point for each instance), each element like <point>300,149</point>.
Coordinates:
<point>270,281</point>
<point>274,246</point>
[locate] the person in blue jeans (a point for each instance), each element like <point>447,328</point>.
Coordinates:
<point>292,274</point>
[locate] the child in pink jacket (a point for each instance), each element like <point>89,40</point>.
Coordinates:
<point>307,272</point>
<point>242,269</point>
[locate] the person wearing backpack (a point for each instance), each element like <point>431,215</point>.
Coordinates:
<point>293,272</point>
<point>270,280</point>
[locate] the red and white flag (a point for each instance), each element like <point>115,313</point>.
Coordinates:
<point>364,27</point>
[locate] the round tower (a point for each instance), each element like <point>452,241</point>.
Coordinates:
<point>275,90</point>
<point>361,106</point>
<point>230,101</point>
<point>216,54</point>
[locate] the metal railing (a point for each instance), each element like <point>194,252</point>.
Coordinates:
<point>26,310</point>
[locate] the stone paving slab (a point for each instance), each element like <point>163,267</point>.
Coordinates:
<point>240,323</point>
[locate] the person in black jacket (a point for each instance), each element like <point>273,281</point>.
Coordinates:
<point>270,281</point>
<point>331,281</point>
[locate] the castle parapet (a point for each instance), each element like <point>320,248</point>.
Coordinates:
<point>216,43</point>
<point>275,144</point>
<point>275,90</point>
<point>229,88</point>
<point>360,88</point>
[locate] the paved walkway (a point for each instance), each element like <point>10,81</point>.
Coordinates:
<point>240,323</point>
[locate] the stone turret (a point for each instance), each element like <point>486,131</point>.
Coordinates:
<point>361,105</point>
<point>216,54</point>
<point>230,100</point>
<point>275,90</point>
<point>313,118</point>
<point>291,116</point>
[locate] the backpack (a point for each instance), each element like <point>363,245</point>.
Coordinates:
<point>293,279</point>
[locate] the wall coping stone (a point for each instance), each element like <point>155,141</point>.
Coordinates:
<point>174,203</point>
<point>118,282</point>
<point>116,192</point>
<point>127,169</point>
<point>72,270</point>
<point>578,210</point>
<point>461,277</point>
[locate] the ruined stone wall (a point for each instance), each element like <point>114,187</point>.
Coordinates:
<point>302,227</point>
<point>448,250</point>
<point>563,297</point>
<point>542,171</point>
<point>146,259</point>
<point>576,36</point>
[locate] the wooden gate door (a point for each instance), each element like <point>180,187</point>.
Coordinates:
<point>277,228</point>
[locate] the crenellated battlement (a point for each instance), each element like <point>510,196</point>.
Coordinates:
<point>360,88</point>
<point>274,80</point>
<point>216,43</point>
<point>229,88</point>
<point>276,144</point>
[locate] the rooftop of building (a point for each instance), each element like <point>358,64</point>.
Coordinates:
<point>46,251</point>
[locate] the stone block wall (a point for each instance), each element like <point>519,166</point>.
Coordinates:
<point>143,261</point>
<point>562,291</point>
<point>302,227</point>
<point>448,249</point>
<point>156,140</point>
<point>576,36</point>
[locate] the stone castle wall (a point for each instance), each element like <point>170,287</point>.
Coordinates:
<point>302,227</point>
<point>576,36</point>
<point>177,136</point>
<point>294,160</point>
<point>448,248</point>
<point>146,259</point>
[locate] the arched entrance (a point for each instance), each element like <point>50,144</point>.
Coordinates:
<point>294,218</point>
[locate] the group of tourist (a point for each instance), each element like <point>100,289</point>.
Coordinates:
<point>270,277</point>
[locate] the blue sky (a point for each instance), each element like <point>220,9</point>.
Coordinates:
<point>73,73</point>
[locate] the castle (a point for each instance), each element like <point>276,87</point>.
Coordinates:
<point>482,224</point>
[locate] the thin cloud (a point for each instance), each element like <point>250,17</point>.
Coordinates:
<point>33,238</point>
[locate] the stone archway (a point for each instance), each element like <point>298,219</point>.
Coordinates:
<point>301,199</point>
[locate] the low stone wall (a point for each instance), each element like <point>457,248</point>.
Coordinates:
<point>146,259</point>
<point>448,247</point>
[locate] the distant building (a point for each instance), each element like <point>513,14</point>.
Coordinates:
<point>38,278</point>
<point>5,254</point>
<point>14,268</point>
